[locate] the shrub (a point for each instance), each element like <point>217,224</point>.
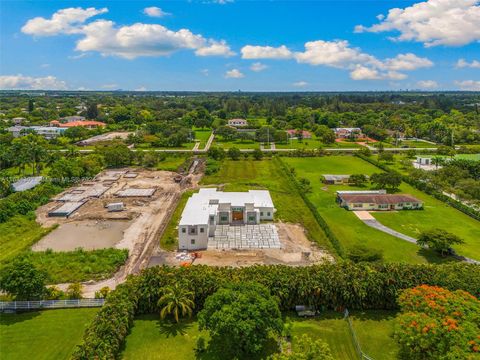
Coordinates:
<point>439,240</point>
<point>23,280</point>
<point>361,253</point>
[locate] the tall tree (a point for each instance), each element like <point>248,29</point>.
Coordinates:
<point>176,300</point>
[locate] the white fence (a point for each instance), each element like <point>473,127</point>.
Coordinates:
<point>50,304</point>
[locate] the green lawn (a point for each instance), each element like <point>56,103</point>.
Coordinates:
<point>243,175</point>
<point>17,235</point>
<point>417,144</point>
<point>171,163</point>
<point>351,231</point>
<point>203,136</point>
<point>374,330</point>
<point>304,144</point>
<point>169,239</point>
<point>239,144</point>
<point>48,334</point>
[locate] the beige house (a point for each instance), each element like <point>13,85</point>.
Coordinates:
<point>381,202</point>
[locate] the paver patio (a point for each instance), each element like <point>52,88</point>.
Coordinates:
<point>262,236</point>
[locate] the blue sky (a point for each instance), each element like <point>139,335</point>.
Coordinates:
<point>240,45</point>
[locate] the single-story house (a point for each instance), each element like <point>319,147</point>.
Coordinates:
<point>209,207</point>
<point>89,124</point>
<point>73,118</point>
<point>335,179</point>
<point>346,133</point>
<point>292,133</point>
<point>372,201</point>
<point>423,160</point>
<point>237,122</point>
<point>47,132</point>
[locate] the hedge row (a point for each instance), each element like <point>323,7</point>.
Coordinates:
<point>426,188</point>
<point>328,286</point>
<point>320,220</point>
<point>20,203</point>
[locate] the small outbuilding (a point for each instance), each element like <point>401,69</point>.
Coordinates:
<point>336,179</point>
<point>117,206</point>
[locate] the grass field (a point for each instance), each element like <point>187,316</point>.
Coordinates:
<point>304,144</point>
<point>151,338</point>
<point>171,163</point>
<point>17,235</point>
<point>203,136</point>
<point>243,175</point>
<point>239,144</point>
<point>42,335</point>
<point>351,231</point>
<point>169,239</point>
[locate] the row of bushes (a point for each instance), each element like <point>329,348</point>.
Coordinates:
<point>328,286</point>
<point>320,220</point>
<point>426,188</point>
<point>21,203</point>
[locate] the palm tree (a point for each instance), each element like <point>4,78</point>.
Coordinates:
<point>176,300</point>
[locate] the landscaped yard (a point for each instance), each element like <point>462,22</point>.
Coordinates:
<point>48,334</point>
<point>351,231</point>
<point>202,135</point>
<point>239,144</point>
<point>152,338</point>
<point>171,163</point>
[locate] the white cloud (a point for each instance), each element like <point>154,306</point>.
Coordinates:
<point>462,63</point>
<point>205,72</point>
<point>215,48</point>
<point>339,54</point>
<point>64,21</point>
<point>258,66</point>
<point>468,85</point>
<point>234,74</point>
<point>20,82</point>
<point>128,41</point>
<point>141,88</point>
<point>154,11</point>
<point>433,22</point>
<point>300,84</point>
<point>44,66</point>
<point>110,86</point>
<point>266,52</point>
<point>427,84</point>
<point>222,2</point>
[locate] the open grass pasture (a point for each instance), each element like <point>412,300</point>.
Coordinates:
<point>171,163</point>
<point>243,175</point>
<point>239,144</point>
<point>351,231</point>
<point>42,335</point>
<point>202,135</point>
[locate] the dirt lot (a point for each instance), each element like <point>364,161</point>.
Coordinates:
<point>105,137</point>
<point>296,250</point>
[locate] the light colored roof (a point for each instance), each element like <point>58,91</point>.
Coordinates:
<point>361,192</point>
<point>199,206</point>
<point>335,177</point>
<point>347,129</point>
<point>379,198</point>
<point>27,183</point>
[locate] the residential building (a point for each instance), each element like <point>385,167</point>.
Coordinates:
<point>89,124</point>
<point>368,201</point>
<point>69,119</point>
<point>210,207</point>
<point>237,122</point>
<point>336,179</point>
<point>47,132</point>
<point>348,133</point>
<point>292,133</point>
<point>18,120</point>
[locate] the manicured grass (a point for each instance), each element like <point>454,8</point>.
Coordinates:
<point>169,239</point>
<point>239,144</point>
<point>79,265</point>
<point>351,231</point>
<point>374,330</point>
<point>417,144</point>
<point>17,234</point>
<point>154,339</point>
<point>343,145</point>
<point>171,163</point>
<point>304,144</point>
<point>49,334</point>
<point>243,175</point>
<point>330,327</point>
<point>203,136</point>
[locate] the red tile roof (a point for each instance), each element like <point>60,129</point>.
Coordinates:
<point>83,123</point>
<point>294,132</point>
<point>379,198</point>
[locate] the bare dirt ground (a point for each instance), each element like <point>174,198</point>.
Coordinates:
<point>148,216</point>
<point>296,250</point>
<point>105,137</point>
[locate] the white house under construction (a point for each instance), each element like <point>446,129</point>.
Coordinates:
<point>209,208</point>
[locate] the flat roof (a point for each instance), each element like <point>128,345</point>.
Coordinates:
<point>335,177</point>
<point>27,183</point>
<point>199,206</point>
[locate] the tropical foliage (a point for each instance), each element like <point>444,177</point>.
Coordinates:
<point>176,300</point>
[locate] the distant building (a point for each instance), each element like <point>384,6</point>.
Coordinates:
<point>209,208</point>
<point>89,124</point>
<point>336,179</point>
<point>47,132</point>
<point>294,134</point>
<point>70,119</point>
<point>347,133</point>
<point>18,120</point>
<point>377,201</point>
<point>237,122</point>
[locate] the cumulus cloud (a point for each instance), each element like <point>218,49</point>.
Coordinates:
<point>427,84</point>
<point>154,11</point>
<point>258,66</point>
<point>64,21</point>
<point>127,41</point>
<point>141,88</point>
<point>234,74</point>
<point>468,85</point>
<point>20,82</point>
<point>432,22</point>
<point>462,63</point>
<point>266,52</point>
<point>339,54</point>
<point>300,84</point>
<point>205,72</point>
